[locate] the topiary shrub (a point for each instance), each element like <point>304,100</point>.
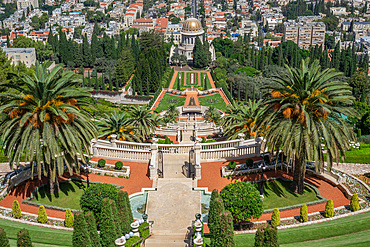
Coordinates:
<point>92,229</point>
<point>329,209</point>
<point>92,198</point>
<point>275,217</point>
<point>216,226</point>
<point>42,217</point>
<point>212,209</point>
<point>16,210</point>
<point>270,237</point>
<point>258,238</point>
<point>4,241</point>
<point>118,165</point>
<point>303,214</point>
<point>232,165</point>
<point>200,88</point>
<point>124,211</point>
<point>249,163</point>
<point>108,231</point>
<point>101,163</point>
<point>68,219</point>
<point>354,206</point>
<point>24,239</point>
<point>81,236</point>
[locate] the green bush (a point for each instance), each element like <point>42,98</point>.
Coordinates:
<point>101,163</point>
<point>354,206</point>
<point>144,230</point>
<point>92,198</point>
<point>226,236</point>
<point>92,229</point>
<point>200,88</point>
<point>216,226</point>
<point>270,237</point>
<point>249,163</point>
<point>275,217</point>
<point>182,89</point>
<point>42,217</point>
<point>232,164</point>
<point>68,219</point>
<point>213,210</point>
<point>16,210</point>
<point>258,238</point>
<point>24,239</point>
<point>303,215</point>
<point>124,211</point>
<point>329,209</point>
<point>133,240</point>
<point>108,231</point>
<point>239,194</point>
<point>358,133</point>
<point>117,220</point>
<point>81,236</point>
<point>4,241</point>
<point>118,165</point>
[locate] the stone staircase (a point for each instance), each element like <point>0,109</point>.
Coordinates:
<point>172,208</point>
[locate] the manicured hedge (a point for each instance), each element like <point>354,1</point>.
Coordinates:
<point>16,210</point>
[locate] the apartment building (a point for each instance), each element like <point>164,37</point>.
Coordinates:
<point>305,34</point>
<point>21,4</point>
<point>21,55</point>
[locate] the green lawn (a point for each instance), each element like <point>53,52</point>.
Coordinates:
<point>277,194</point>
<point>348,231</point>
<point>207,81</point>
<point>40,236</point>
<point>361,155</point>
<point>68,197</point>
<point>170,99</point>
<point>213,100</point>
<point>188,80</point>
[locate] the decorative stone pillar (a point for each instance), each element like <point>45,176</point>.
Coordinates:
<point>93,149</point>
<point>113,139</point>
<point>153,160</point>
<point>178,134</point>
<point>258,147</point>
<point>241,139</point>
<point>197,149</point>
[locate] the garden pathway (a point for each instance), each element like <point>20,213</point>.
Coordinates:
<point>172,208</point>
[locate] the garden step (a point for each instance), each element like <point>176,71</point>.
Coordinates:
<point>166,240</point>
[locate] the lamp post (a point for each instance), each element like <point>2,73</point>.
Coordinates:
<point>86,167</point>
<point>262,170</point>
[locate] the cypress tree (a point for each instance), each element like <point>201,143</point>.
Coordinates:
<point>128,207</point>
<point>92,229</point>
<point>258,238</point>
<point>270,237</point>
<point>226,237</point>
<point>212,209</point>
<point>216,233</point>
<point>24,239</point>
<point>108,232</point>
<point>199,55</point>
<point>110,82</point>
<point>80,237</point>
<point>122,212</point>
<point>4,241</point>
<point>94,47</point>
<point>116,218</point>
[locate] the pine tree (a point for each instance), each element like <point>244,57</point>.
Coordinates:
<point>24,239</point>
<point>4,241</point>
<point>81,237</point>
<point>92,229</point>
<point>108,232</point>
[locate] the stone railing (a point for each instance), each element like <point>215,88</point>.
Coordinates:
<point>218,145</point>
<point>230,153</point>
<point>175,148</point>
<point>122,154</point>
<point>132,145</point>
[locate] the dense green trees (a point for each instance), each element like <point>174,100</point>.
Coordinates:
<point>108,231</point>
<point>43,51</point>
<point>81,235</point>
<point>4,241</point>
<point>307,108</point>
<point>44,121</point>
<point>200,54</point>
<point>23,239</point>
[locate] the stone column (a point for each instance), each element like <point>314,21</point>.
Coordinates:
<point>93,149</point>
<point>113,139</point>
<point>241,139</point>
<point>258,146</point>
<point>197,149</point>
<point>153,160</point>
<point>178,134</point>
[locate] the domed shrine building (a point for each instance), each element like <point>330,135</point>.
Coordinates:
<point>191,29</point>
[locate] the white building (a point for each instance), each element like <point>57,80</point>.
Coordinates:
<point>21,55</point>
<point>21,4</point>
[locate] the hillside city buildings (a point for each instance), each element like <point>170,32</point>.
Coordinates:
<point>263,23</point>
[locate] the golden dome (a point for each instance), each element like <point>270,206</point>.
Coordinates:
<point>192,25</point>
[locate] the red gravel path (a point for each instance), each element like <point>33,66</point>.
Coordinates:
<point>139,178</point>
<point>211,178</point>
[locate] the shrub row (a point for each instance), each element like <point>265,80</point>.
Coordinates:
<point>23,239</point>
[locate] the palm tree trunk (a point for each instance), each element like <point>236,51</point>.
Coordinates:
<point>52,181</point>
<point>298,177</point>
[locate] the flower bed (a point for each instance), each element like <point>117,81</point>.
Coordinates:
<point>241,170</point>
<point>109,170</point>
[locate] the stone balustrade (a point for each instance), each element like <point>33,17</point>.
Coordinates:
<point>229,153</point>
<point>175,148</point>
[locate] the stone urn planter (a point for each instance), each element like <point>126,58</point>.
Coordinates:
<point>135,228</point>
<point>198,242</point>
<point>198,226</point>
<point>120,241</point>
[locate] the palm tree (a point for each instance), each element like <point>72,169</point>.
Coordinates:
<point>244,119</point>
<point>118,124</point>
<point>143,120</point>
<point>172,114</point>
<point>307,108</point>
<point>212,115</point>
<point>44,122</point>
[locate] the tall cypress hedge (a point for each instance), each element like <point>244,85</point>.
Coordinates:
<point>80,237</point>
<point>226,237</point>
<point>108,232</point>
<point>122,212</point>
<point>116,218</point>
<point>216,234</point>
<point>4,241</point>
<point>212,210</point>
<point>92,229</point>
